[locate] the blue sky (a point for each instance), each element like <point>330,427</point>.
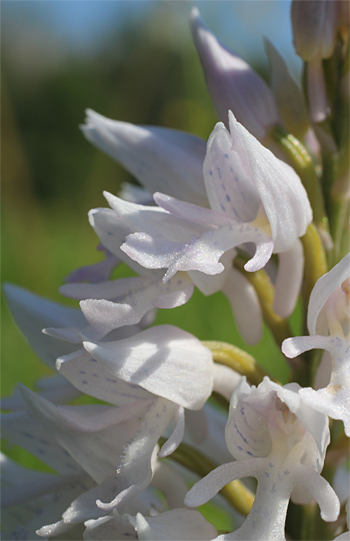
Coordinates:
<point>81,25</point>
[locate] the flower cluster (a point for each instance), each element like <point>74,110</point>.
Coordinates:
<point>255,213</point>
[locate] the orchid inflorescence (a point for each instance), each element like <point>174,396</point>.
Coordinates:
<point>257,214</point>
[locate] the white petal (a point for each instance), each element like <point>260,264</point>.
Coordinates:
<point>283,196</point>
<point>161,159</point>
<point>32,313</point>
<point>170,483</point>
<point>175,525</point>
<point>135,471</point>
<point>177,435</point>
<point>163,360</point>
<point>95,378</point>
<point>201,253</point>
<point>112,230</point>
<point>321,490</point>
<point>289,279</point>
<point>228,177</point>
<point>323,289</point>
<point>131,299</point>
<point>245,306</point>
<point>225,380</point>
<point>212,483</point>
<point>292,347</point>
<point>110,527</point>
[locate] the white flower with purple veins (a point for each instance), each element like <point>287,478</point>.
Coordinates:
<point>328,324</point>
<point>254,198</point>
<point>281,441</point>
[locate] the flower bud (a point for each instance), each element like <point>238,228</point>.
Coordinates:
<point>315,24</point>
<point>233,84</point>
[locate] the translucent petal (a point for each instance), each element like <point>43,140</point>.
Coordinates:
<point>94,435</point>
<point>32,313</point>
<point>161,159</point>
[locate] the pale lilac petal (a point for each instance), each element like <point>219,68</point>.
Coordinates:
<point>135,194</point>
<point>161,159</point>
<point>112,230</point>
<point>282,194</point>
<point>225,380</point>
<point>245,306</point>
<point>95,436</point>
<point>177,435</point>
<point>289,97</point>
<point>27,432</point>
<point>228,178</point>
<point>98,272</point>
<point>95,378</point>
<point>314,28</point>
<point>232,83</point>
<point>116,303</point>
<point>289,279</point>
<point>175,525</point>
<point>153,220</point>
<point>32,313</point>
<point>207,217</point>
<point>323,289</point>
<point>162,360</point>
<point>23,521</point>
<point>54,388</point>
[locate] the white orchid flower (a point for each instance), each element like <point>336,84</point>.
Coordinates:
<point>281,441</point>
<point>328,324</point>
<point>254,197</point>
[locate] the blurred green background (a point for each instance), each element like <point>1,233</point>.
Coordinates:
<point>137,64</point>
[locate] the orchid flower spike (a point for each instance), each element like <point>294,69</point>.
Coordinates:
<point>328,324</point>
<point>232,83</point>
<point>277,438</point>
